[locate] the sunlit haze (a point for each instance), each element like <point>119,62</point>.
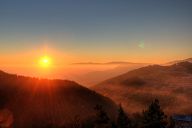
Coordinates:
<point>42,36</point>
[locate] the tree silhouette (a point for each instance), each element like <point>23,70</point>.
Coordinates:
<point>154,117</point>
<point>122,119</point>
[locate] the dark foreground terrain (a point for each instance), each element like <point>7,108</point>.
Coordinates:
<point>36,103</point>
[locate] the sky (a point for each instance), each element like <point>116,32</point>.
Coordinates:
<point>72,31</point>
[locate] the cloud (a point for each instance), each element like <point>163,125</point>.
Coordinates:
<point>107,63</point>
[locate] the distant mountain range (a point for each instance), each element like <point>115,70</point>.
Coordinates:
<point>172,85</point>
<point>178,61</point>
<point>36,103</point>
<point>120,67</point>
<point>93,77</point>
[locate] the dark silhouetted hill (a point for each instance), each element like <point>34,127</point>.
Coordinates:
<point>33,102</point>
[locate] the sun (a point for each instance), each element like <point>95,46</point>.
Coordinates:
<point>45,61</point>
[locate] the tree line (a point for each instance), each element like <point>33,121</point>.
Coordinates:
<point>152,117</point>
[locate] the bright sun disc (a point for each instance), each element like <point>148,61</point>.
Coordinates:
<point>45,61</point>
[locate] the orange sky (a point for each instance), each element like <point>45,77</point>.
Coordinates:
<point>74,31</point>
<point>27,62</point>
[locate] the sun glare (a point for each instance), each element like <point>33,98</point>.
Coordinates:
<point>45,61</point>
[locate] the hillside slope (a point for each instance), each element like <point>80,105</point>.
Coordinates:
<point>172,85</point>
<point>32,102</point>
<point>94,77</point>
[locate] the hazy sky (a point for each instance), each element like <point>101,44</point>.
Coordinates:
<point>98,30</point>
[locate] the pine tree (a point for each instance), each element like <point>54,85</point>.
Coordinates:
<point>122,119</point>
<point>154,117</point>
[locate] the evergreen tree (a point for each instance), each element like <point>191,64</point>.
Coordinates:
<point>154,117</point>
<point>122,119</point>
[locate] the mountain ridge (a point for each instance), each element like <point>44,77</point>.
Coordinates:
<point>35,102</point>
<point>136,88</point>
